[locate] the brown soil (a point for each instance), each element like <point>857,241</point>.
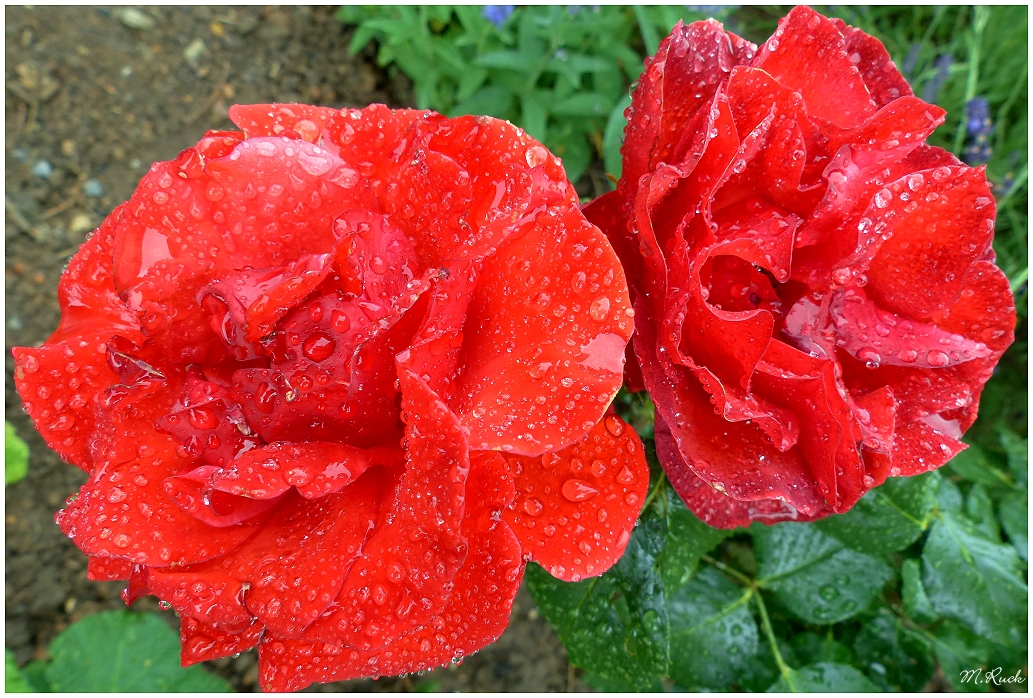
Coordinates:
<point>93,97</point>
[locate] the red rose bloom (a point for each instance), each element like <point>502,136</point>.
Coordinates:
<point>334,381</point>
<point>817,307</point>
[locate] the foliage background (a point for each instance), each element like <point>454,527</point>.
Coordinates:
<point>926,576</point>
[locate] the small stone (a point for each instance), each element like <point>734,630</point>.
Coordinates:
<point>43,169</point>
<point>20,154</point>
<point>135,19</point>
<point>93,188</point>
<point>194,51</point>
<point>81,223</point>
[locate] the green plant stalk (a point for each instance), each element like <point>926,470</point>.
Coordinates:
<point>769,632</point>
<point>978,25</point>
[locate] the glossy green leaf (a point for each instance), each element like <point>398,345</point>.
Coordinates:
<point>974,580</point>
<point>533,115</point>
<point>613,138</point>
<point>584,104</point>
<point>916,601</point>
<point>688,540</point>
<point>960,652</point>
<point>121,651</point>
<point>948,496</point>
<point>614,626</point>
<point>713,633</point>
<point>888,518</point>
<point>814,575</point>
<point>1014,516</point>
<point>894,657</point>
<point>16,455</point>
<point>824,677</point>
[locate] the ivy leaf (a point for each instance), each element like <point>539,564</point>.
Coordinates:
<point>121,651</point>
<point>16,455</point>
<point>896,658</point>
<point>713,633</point>
<point>1013,513</point>
<point>814,575</point>
<point>959,650</point>
<point>824,677</point>
<point>975,580</point>
<point>887,519</point>
<point>688,540</point>
<point>614,626</point>
<point>916,602</point>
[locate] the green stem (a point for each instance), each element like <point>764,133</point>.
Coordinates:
<point>1021,278</point>
<point>730,571</point>
<point>783,668</point>
<point>655,491</point>
<point>1019,183</point>
<point>978,24</point>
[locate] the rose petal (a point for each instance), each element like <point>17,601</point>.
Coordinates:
<point>123,510</point>
<point>957,206</point>
<point>59,381</point>
<point>290,571</point>
<point>883,80</point>
<point>556,326</point>
<point>575,509</point>
<point>200,642</point>
<point>808,54</point>
<point>389,592</point>
<point>107,569</point>
<point>273,119</point>
<point>475,615</point>
<point>179,232</point>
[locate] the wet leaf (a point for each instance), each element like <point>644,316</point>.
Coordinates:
<point>688,540</point>
<point>894,657</point>
<point>888,518</point>
<point>824,676</point>
<point>980,509</point>
<point>14,681</point>
<point>120,651</point>
<point>713,632</point>
<point>616,625</point>
<point>958,651</point>
<point>916,601</point>
<point>813,575</point>
<point>821,649</point>
<point>974,580</point>
<point>1013,513</point>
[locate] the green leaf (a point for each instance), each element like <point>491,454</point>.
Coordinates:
<point>972,464</point>
<point>121,651</point>
<point>813,575</point>
<point>975,580</point>
<point>887,519</point>
<point>507,60</point>
<point>1018,455</point>
<point>948,495</point>
<point>821,649</point>
<point>895,658</point>
<point>494,101</point>
<point>824,676</point>
<point>916,601</point>
<point>613,138</point>
<point>584,104</point>
<point>614,626</point>
<point>533,115</point>
<point>33,674</point>
<point>1014,515</point>
<point>980,509</point>
<point>14,681</point>
<point>713,633</point>
<point>16,455</point>
<point>688,540</point>
<point>959,650</point>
